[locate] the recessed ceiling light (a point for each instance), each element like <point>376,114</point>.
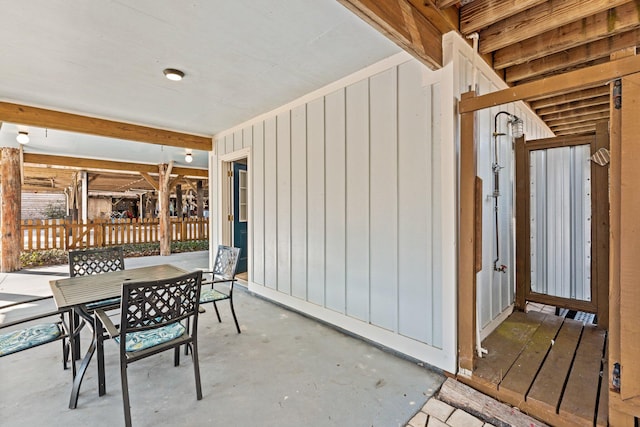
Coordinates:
<point>173,74</point>
<point>23,137</point>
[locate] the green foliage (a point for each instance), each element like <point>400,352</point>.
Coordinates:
<point>58,256</point>
<point>39,258</point>
<point>54,210</point>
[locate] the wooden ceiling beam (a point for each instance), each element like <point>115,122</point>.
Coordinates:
<point>152,182</point>
<point>403,24</point>
<point>561,83</point>
<point>41,189</point>
<point>590,118</point>
<point>540,19</point>
<point>46,159</point>
<point>443,4</point>
<point>565,70</point>
<point>579,95</point>
<point>444,20</point>
<point>573,57</point>
<point>40,117</point>
<point>595,27</point>
<point>570,132</point>
<point>558,108</point>
<point>577,112</point>
<point>480,14</point>
<point>574,128</point>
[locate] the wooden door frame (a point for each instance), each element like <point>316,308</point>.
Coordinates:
<point>599,248</point>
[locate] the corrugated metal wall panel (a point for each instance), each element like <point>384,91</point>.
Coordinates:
<point>561,222</point>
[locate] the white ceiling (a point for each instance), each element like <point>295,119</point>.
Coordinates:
<point>104,58</point>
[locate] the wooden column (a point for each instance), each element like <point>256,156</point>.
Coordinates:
<point>163,209</point>
<point>200,199</point>
<point>11,189</point>
<point>624,402</point>
<point>600,226</point>
<point>523,254</point>
<point>179,200</point>
<point>467,248</point>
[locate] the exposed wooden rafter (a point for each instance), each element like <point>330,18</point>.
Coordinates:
<point>401,22</point>
<point>40,117</point>
<point>574,80</point>
<point>570,106</point>
<point>45,159</point>
<point>595,27</point>
<point>482,13</point>
<point>542,101</point>
<point>573,57</point>
<point>540,19</point>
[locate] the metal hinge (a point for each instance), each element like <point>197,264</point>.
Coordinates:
<point>230,217</point>
<point>617,94</point>
<point>229,174</point>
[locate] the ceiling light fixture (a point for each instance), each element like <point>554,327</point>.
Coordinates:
<point>173,74</point>
<point>188,157</point>
<point>23,137</point>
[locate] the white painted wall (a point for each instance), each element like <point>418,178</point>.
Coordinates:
<point>495,290</point>
<point>354,202</point>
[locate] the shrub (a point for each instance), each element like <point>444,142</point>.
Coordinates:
<point>58,256</point>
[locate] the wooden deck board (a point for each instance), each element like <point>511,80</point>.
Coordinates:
<point>546,391</point>
<point>516,383</point>
<point>505,344</point>
<point>560,383</point>
<point>581,392</point>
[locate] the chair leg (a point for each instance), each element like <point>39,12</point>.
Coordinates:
<point>217,312</point>
<point>102,389</point>
<point>125,392</point>
<point>233,312</point>
<point>176,356</point>
<point>186,346</point>
<point>196,368</point>
<point>65,353</point>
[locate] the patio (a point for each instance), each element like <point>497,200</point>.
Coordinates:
<point>284,369</point>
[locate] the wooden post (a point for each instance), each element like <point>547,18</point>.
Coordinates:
<point>523,255</point>
<point>11,190</point>
<point>200,206</point>
<point>179,201</point>
<point>600,226</point>
<point>200,199</point>
<point>467,248</point>
<point>163,209</point>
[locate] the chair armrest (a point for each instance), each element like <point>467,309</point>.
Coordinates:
<point>112,331</point>
<point>36,317</point>
<point>28,301</point>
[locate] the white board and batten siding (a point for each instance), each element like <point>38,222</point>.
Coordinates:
<point>495,290</point>
<point>347,208</point>
<point>353,198</point>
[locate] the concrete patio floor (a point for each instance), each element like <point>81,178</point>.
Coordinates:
<point>283,370</point>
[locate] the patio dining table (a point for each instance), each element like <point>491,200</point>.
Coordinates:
<point>77,292</point>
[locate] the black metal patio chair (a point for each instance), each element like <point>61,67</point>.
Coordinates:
<point>156,316</point>
<point>30,331</point>
<point>85,262</point>
<point>223,274</point>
